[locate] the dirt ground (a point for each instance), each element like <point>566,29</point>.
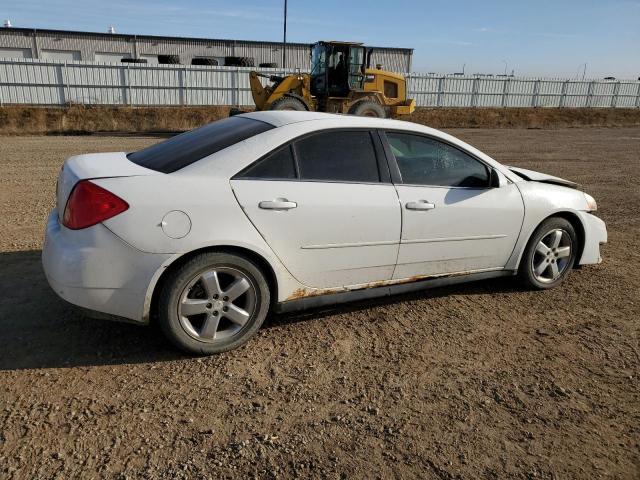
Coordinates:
<point>481,380</point>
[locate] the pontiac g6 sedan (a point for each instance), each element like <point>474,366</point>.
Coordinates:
<point>209,230</point>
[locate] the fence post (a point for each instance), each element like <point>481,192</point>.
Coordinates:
<point>505,91</point>
<point>440,92</point>
<point>638,96</point>
<point>563,94</point>
<point>590,94</point>
<point>123,84</point>
<point>68,82</point>
<point>614,97</point>
<point>536,93</point>
<point>180,86</point>
<point>238,87</point>
<point>474,92</point>
<point>61,69</point>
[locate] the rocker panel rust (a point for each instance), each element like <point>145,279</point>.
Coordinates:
<point>314,292</point>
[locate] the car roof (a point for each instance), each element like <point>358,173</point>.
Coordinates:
<point>279,118</point>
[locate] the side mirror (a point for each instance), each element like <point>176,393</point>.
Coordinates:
<point>494,178</point>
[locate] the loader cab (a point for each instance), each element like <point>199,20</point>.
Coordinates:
<point>337,68</point>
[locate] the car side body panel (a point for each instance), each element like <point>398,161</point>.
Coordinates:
<point>467,229</point>
<point>543,200</point>
<point>337,234</point>
<point>214,214</point>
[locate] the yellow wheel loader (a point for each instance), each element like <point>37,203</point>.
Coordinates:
<point>341,81</point>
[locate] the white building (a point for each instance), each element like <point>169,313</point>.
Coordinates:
<point>67,46</point>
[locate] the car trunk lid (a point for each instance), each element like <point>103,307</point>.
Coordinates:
<point>94,165</point>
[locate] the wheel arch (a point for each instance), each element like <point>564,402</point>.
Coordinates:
<point>261,262</point>
<point>575,222</point>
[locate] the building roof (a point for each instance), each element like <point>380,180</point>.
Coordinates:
<point>128,36</point>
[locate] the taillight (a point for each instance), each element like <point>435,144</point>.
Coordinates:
<point>89,204</point>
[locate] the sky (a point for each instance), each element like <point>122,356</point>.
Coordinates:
<point>531,38</point>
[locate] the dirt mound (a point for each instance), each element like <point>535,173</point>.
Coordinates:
<point>77,119</point>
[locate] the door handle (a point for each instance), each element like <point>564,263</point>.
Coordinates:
<point>277,204</point>
<point>420,205</point>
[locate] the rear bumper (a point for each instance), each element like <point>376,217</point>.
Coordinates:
<point>595,232</point>
<point>94,269</point>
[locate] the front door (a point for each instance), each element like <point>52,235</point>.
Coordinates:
<point>452,220</point>
<point>321,206</point>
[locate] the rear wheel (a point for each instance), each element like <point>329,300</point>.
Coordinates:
<point>288,103</point>
<point>549,255</point>
<point>367,108</point>
<point>215,302</point>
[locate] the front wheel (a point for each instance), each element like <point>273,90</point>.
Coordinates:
<point>367,108</point>
<point>288,103</point>
<point>549,255</point>
<point>213,303</point>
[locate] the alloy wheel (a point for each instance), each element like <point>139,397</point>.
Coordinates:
<point>552,255</point>
<point>216,304</point>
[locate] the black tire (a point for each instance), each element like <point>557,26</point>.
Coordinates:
<point>367,108</point>
<point>268,65</point>
<point>239,61</point>
<point>211,62</point>
<point>175,288</point>
<point>288,103</point>
<point>531,256</point>
<point>169,59</point>
<point>134,60</point>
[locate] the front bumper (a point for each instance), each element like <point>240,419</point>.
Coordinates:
<point>94,269</point>
<point>595,233</point>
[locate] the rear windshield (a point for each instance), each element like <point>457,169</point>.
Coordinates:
<point>189,147</point>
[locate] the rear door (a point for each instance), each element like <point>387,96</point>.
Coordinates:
<point>452,219</point>
<point>325,205</point>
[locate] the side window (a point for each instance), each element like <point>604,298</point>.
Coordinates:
<point>390,89</point>
<point>339,156</point>
<point>275,166</point>
<point>425,161</point>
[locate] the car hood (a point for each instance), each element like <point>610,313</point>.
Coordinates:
<point>534,176</point>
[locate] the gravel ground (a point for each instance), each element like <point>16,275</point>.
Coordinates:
<point>476,381</point>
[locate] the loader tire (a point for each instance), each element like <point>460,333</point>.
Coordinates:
<point>169,59</point>
<point>288,103</point>
<point>367,108</point>
<point>239,61</point>
<point>211,62</point>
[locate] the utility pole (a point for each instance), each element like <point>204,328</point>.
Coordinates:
<point>284,41</point>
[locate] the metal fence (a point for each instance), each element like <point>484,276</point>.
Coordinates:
<point>37,82</point>
<point>459,91</point>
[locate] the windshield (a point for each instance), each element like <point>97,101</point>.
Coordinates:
<point>318,60</point>
<point>189,147</point>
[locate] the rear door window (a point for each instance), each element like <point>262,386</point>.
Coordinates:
<point>338,156</point>
<point>278,165</point>
<point>189,147</point>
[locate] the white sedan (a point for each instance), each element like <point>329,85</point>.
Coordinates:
<point>208,231</point>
